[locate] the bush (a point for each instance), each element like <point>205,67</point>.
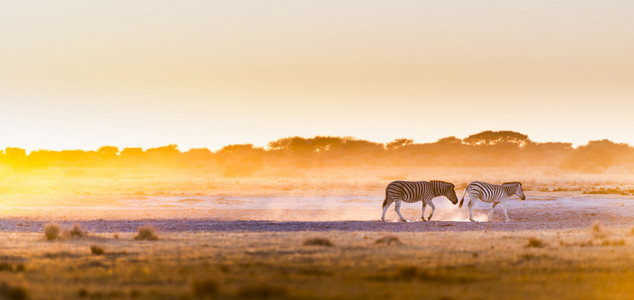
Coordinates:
<point>76,231</point>
<point>146,233</point>
<point>97,250</point>
<point>535,243</point>
<point>204,288</point>
<point>51,231</point>
<point>318,242</point>
<point>13,292</point>
<point>262,291</point>
<point>134,293</point>
<point>83,293</point>
<point>390,239</point>
<point>598,232</point>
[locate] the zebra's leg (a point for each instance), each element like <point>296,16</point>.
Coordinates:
<point>433,208</point>
<point>492,208</point>
<point>422,216</point>
<point>386,205</point>
<point>471,205</point>
<point>505,214</point>
<point>397,207</point>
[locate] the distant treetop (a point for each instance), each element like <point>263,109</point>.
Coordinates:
<point>494,137</point>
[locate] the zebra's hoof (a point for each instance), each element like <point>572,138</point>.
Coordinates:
<point>472,220</point>
<point>403,220</point>
<point>429,219</point>
<point>423,219</point>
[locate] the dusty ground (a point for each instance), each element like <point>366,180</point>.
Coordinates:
<point>244,238</point>
<point>238,247</point>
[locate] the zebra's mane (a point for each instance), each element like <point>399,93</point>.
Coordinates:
<point>512,182</point>
<point>440,181</point>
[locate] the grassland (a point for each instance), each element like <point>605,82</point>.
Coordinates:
<point>480,264</point>
<point>561,243</point>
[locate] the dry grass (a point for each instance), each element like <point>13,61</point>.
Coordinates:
<point>97,250</point>
<point>389,240</point>
<point>11,292</point>
<point>51,231</point>
<point>534,242</point>
<point>318,242</point>
<point>275,265</point>
<point>146,233</point>
<point>598,231</point>
<point>76,232</point>
<point>205,288</point>
<point>262,291</point>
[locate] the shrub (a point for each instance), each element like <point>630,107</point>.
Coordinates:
<point>146,233</point>
<point>76,231</point>
<point>97,250</point>
<point>134,293</point>
<point>51,231</point>
<point>83,293</point>
<point>5,266</point>
<point>262,291</point>
<point>13,292</point>
<point>318,242</point>
<point>204,288</point>
<point>390,239</point>
<point>407,272</point>
<point>535,243</point>
<point>598,232</point>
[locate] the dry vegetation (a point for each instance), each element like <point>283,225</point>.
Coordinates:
<point>277,265</point>
<point>146,233</point>
<point>550,250</point>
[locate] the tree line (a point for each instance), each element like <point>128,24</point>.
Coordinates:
<point>487,148</point>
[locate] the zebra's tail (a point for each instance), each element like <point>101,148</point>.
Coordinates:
<point>385,201</point>
<point>462,200</point>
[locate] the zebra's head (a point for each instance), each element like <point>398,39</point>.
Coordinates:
<point>447,189</point>
<point>516,189</point>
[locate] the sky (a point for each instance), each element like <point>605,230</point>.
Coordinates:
<point>82,74</point>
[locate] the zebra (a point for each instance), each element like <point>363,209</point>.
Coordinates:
<point>492,193</point>
<point>414,191</point>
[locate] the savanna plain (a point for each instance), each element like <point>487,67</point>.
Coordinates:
<point>115,234</point>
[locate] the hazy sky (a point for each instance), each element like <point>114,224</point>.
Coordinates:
<point>81,74</point>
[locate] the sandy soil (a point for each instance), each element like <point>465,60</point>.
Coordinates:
<point>558,245</point>
<point>344,213</point>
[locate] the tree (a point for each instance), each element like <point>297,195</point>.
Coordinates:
<point>240,160</point>
<point>449,140</point>
<point>398,143</point>
<point>108,152</point>
<point>597,156</point>
<point>489,138</point>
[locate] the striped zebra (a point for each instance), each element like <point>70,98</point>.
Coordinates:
<point>492,193</point>
<point>414,191</point>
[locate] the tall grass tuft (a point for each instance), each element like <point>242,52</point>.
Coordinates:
<point>76,231</point>
<point>598,232</point>
<point>97,250</point>
<point>534,242</point>
<point>10,292</point>
<point>262,291</point>
<point>205,288</point>
<point>318,242</point>
<point>389,239</point>
<point>51,231</point>
<point>146,233</point>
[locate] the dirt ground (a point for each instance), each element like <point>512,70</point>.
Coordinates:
<point>558,245</point>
